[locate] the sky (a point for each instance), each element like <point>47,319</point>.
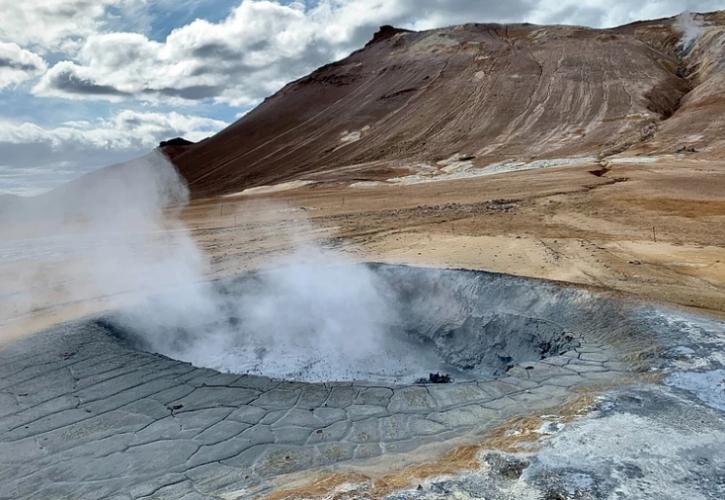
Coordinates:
<point>89,83</point>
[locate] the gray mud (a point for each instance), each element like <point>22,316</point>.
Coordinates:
<point>469,325</point>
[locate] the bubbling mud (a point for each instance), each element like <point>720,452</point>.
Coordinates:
<point>409,322</point>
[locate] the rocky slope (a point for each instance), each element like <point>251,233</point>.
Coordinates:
<point>485,91</point>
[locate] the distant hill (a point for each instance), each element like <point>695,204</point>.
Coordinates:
<point>489,91</point>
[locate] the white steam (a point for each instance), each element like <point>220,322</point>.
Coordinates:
<point>104,237</point>
<point>309,316</point>
<point>118,234</point>
<point>690,29</point>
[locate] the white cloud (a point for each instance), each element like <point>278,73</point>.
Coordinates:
<point>61,26</point>
<point>126,130</point>
<point>51,25</point>
<point>18,65</point>
<point>239,60</point>
<point>36,158</point>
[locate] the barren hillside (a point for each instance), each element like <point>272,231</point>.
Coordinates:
<point>487,93</point>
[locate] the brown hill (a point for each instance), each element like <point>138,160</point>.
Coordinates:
<point>488,91</point>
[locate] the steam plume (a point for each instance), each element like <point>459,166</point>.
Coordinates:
<point>690,29</point>
<point>118,234</point>
<point>107,235</point>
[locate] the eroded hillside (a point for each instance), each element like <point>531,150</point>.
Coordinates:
<point>485,92</point>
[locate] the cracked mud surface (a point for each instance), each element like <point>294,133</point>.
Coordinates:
<point>85,416</point>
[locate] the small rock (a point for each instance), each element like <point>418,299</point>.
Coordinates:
<point>507,467</point>
<point>435,378</point>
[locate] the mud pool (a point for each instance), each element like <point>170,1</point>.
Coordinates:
<point>469,325</point>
